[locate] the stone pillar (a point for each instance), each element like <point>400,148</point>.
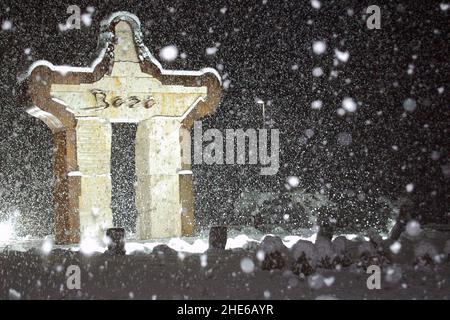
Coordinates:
<point>66,192</point>
<point>160,195</point>
<point>94,158</point>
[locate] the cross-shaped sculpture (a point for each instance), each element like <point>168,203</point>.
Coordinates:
<point>125,84</point>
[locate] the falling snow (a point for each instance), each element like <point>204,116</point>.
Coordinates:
<point>409,105</point>
<point>169,53</point>
<point>317,72</point>
<point>349,104</point>
<point>342,56</point>
<point>319,47</point>
<point>211,51</point>
<point>247,265</point>
<point>364,166</point>
<point>6,25</point>
<point>316,104</point>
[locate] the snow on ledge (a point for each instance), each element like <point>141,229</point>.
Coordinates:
<point>105,39</point>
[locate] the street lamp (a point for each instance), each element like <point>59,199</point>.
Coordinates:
<point>261,102</point>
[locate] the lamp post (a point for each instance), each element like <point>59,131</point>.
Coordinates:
<point>261,102</point>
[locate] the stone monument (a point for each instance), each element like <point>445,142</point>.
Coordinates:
<point>125,84</point>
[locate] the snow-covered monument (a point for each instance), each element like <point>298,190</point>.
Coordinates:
<point>125,84</point>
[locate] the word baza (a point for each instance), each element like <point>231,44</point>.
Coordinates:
<point>227,309</point>
<point>116,102</point>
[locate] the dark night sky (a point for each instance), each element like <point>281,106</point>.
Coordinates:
<point>259,44</point>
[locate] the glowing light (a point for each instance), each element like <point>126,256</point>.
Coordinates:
<point>6,231</point>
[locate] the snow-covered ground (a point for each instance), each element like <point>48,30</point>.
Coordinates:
<point>237,238</point>
<point>254,266</point>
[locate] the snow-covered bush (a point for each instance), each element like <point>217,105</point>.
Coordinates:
<point>274,253</point>
<point>341,253</point>
<point>426,253</point>
<point>305,257</point>
<point>325,252</point>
